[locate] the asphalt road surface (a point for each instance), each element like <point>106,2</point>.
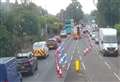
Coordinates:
<point>94,67</point>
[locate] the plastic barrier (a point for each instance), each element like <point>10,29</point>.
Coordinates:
<point>77,65</point>
<point>61,61</point>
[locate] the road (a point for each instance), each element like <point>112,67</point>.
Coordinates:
<point>95,67</point>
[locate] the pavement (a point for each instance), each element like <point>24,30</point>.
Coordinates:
<point>94,67</point>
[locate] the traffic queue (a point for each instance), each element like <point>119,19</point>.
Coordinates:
<point>12,68</point>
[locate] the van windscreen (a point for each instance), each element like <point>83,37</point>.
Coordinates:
<point>110,39</point>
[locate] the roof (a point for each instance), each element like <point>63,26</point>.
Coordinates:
<point>39,44</point>
<point>109,31</point>
<point>6,59</point>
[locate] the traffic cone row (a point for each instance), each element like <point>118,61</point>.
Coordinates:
<point>59,71</point>
<point>87,50</point>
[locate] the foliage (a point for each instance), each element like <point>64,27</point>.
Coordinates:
<point>22,24</point>
<point>108,12</point>
<point>117,26</point>
<point>73,11</point>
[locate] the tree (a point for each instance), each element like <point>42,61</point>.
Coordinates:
<point>108,12</point>
<point>23,24</point>
<point>73,11</point>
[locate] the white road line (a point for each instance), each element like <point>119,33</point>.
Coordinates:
<point>109,67</point>
<point>83,66</point>
<point>37,75</point>
<point>116,75</point>
<point>80,57</point>
<point>100,57</point>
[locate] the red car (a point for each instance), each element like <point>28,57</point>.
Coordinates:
<point>58,39</point>
<point>52,44</point>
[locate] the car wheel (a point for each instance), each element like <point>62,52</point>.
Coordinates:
<point>36,68</point>
<point>104,54</point>
<point>32,71</point>
<point>116,54</point>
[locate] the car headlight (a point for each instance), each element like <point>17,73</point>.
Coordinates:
<point>105,48</point>
<point>116,49</point>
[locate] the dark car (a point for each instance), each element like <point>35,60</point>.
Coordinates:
<point>52,44</point>
<point>26,63</point>
<point>58,39</point>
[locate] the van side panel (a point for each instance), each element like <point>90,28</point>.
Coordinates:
<point>2,73</point>
<point>12,71</point>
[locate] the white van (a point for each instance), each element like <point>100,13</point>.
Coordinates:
<point>108,41</point>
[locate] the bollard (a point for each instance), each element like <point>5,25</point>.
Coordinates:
<point>77,65</point>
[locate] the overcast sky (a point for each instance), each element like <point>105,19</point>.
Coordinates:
<point>54,6</point>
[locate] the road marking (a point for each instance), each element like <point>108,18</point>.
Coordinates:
<point>108,65</point>
<point>116,75</point>
<point>100,57</point>
<point>37,75</point>
<point>83,66</point>
<point>80,57</point>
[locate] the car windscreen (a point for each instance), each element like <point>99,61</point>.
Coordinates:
<point>37,46</point>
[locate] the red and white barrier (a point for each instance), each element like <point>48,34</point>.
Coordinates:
<point>87,50</point>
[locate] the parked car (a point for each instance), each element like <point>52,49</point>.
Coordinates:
<point>52,44</point>
<point>27,63</point>
<point>40,49</point>
<point>8,70</point>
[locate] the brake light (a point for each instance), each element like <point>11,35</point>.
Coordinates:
<point>28,63</point>
<point>5,81</point>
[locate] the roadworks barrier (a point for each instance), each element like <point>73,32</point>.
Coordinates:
<point>77,65</point>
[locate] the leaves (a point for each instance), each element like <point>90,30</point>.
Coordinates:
<point>108,12</point>
<point>73,11</point>
<point>23,24</point>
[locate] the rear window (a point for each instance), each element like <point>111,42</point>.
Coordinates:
<point>26,55</point>
<point>21,57</point>
<point>51,41</point>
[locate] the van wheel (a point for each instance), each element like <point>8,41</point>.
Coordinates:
<point>21,80</point>
<point>104,54</point>
<point>116,55</point>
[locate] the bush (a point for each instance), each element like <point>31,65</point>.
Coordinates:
<point>117,26</point>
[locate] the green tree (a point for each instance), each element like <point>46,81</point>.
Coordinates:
<point>108,12</point>
<point>74,11</point>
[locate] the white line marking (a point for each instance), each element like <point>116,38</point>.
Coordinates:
<point>37,75</point>
<point>83,66</point>
<point>116,75</point>
<point>100,57</point>
<point>108,65</point>
<point>80,57</point>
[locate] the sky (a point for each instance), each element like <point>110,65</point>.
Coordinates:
<point>54,6</point>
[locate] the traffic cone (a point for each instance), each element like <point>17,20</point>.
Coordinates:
<point>59,73</point>
<point>86,51</point>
